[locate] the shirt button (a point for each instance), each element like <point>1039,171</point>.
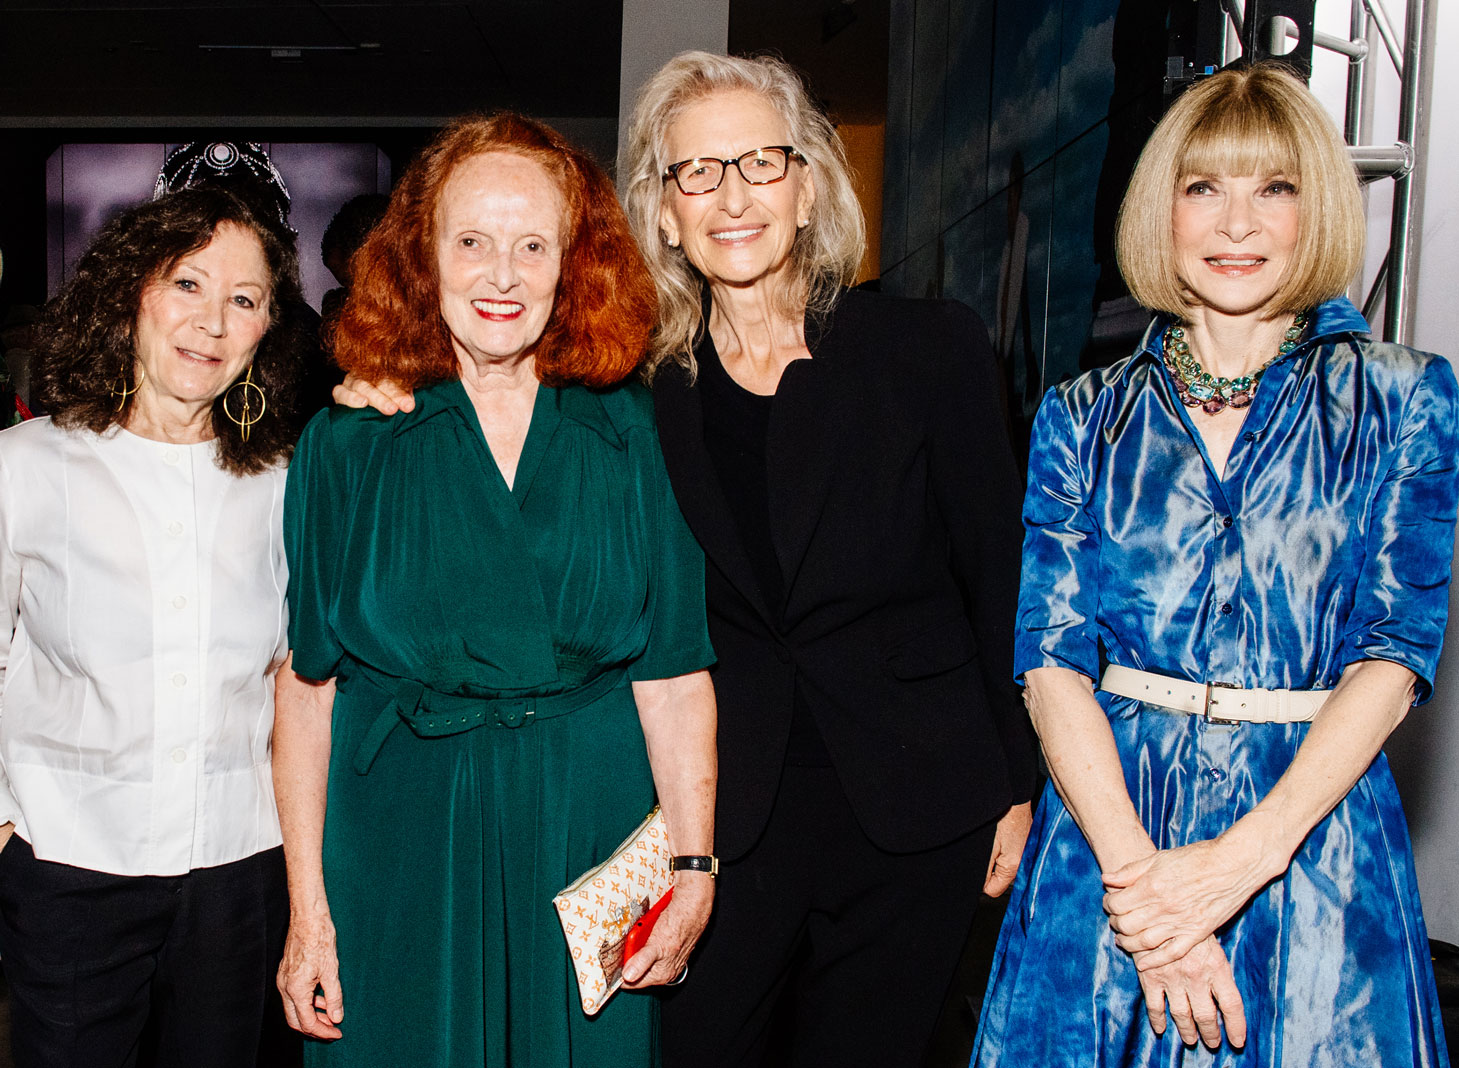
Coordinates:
<point>1216,774</point>
<point>1225,520</point>
<point>179,601</point>
<point>179,756</point>
<point>174,528</point>
<point>1248,436</point>
<point>1226,609</point>
<point>179,680</point>
<point>782,654</point>
<point>171,456</point>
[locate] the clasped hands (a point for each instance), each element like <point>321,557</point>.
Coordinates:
<point>1164,909</point>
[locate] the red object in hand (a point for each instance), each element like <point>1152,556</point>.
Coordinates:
<point>639,932</point>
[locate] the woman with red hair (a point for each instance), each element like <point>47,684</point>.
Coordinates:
<point>504,569</point>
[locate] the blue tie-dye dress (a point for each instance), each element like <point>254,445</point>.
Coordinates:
<point>1327,542</point>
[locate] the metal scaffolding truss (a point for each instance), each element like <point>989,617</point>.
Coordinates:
<point>1284,29</point>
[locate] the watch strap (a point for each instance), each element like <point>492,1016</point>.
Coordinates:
<point>708,865</point>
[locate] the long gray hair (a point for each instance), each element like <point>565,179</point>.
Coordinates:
<point>827,252</point>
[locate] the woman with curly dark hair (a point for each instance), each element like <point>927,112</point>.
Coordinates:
<point>510,611</point>
<point>141,563</point>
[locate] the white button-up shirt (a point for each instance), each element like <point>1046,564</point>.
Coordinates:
<point>145,591</point>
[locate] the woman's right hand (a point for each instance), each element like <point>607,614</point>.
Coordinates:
<point>385,397</point>
<point>1202,996</point>
<point>310,964</point>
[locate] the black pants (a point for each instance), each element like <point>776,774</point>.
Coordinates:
<point>858,945</point>
<point>90,957</point>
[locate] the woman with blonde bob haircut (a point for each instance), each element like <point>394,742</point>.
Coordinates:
<point>1242,122</point>
<point>1233,531</point>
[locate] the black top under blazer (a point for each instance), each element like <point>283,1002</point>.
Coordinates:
<point>894,510</point>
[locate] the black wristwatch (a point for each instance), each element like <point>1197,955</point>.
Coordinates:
<point>708,865</point>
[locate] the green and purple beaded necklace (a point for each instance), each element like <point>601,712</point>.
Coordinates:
<point>1198,388</point>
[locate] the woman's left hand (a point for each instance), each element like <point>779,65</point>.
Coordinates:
<point>385,396</point>
<point>673,938</point>
<point>1163,905</point>
<point>1008,842</point>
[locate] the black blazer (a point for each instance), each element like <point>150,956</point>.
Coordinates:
<point>894,512</point>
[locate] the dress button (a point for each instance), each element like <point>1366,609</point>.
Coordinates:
<point>179,601</point>
<point>174,528</point>
<point>1226,609</point>
<point>171,456</point>
<point>1225,520</point>
<point>179,755</point>
<point>179,680</point>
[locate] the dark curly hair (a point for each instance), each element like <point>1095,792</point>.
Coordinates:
<point>391,326</point>
<point>85,338</point>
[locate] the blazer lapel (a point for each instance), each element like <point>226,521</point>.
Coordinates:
<point>809,424</point>
<point>680,413</point>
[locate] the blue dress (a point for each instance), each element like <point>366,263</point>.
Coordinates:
<point>1327,542</point>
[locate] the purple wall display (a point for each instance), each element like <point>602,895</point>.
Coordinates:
<point>88,184</point>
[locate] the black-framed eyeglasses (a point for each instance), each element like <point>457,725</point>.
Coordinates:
<point>761,166</point>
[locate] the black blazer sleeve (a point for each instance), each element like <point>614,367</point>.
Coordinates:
<point>977,489</point>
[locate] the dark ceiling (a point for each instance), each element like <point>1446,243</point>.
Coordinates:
<point>96,63</point>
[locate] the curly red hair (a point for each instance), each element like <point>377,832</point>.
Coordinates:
<point>391,326</point>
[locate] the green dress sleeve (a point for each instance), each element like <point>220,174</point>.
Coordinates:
<point>313,507</point>
<point>678,639</point>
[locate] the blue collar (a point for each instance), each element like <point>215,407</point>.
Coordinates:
<point>1330,319</point>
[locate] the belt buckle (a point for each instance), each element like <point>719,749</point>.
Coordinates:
<point>1206,712</point>
<point>515,712</point>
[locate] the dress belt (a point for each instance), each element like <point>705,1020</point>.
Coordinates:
<point>1218,702</point>
<point>433,714</point>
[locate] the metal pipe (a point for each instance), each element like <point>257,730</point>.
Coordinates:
<point>1355,49</point>
<point>1353,111</point>
<point>1401,251</point>
<point>1385,31</point>
<point>1378,279</point>
<point>1276,33</point>
<point>1234,13</point>
<point>1382,161</point>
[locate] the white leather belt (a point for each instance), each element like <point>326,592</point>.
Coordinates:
<point>1218,702</point>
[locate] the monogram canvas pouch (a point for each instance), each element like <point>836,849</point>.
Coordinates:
<point>600,907</point>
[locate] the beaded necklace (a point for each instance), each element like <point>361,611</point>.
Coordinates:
<point>1198,388</point>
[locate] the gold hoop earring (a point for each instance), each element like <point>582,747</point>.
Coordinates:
<point>120,391</point>
<point>247,417</point>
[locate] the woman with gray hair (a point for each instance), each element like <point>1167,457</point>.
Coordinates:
<point>843,459</point>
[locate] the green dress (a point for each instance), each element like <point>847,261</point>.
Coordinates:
<point>486,747</point>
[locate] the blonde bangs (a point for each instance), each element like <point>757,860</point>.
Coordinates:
<point>1234,140</point>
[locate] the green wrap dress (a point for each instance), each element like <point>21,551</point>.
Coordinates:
<point>486,747</point>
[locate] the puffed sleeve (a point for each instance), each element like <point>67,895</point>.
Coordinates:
<point>1401,599</point>
<point>678,638</point>
<point>10,590</point>
<point>1059,590</point>
<point>314,502</point>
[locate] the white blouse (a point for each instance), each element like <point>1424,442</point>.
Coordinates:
<point>145,588</point>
